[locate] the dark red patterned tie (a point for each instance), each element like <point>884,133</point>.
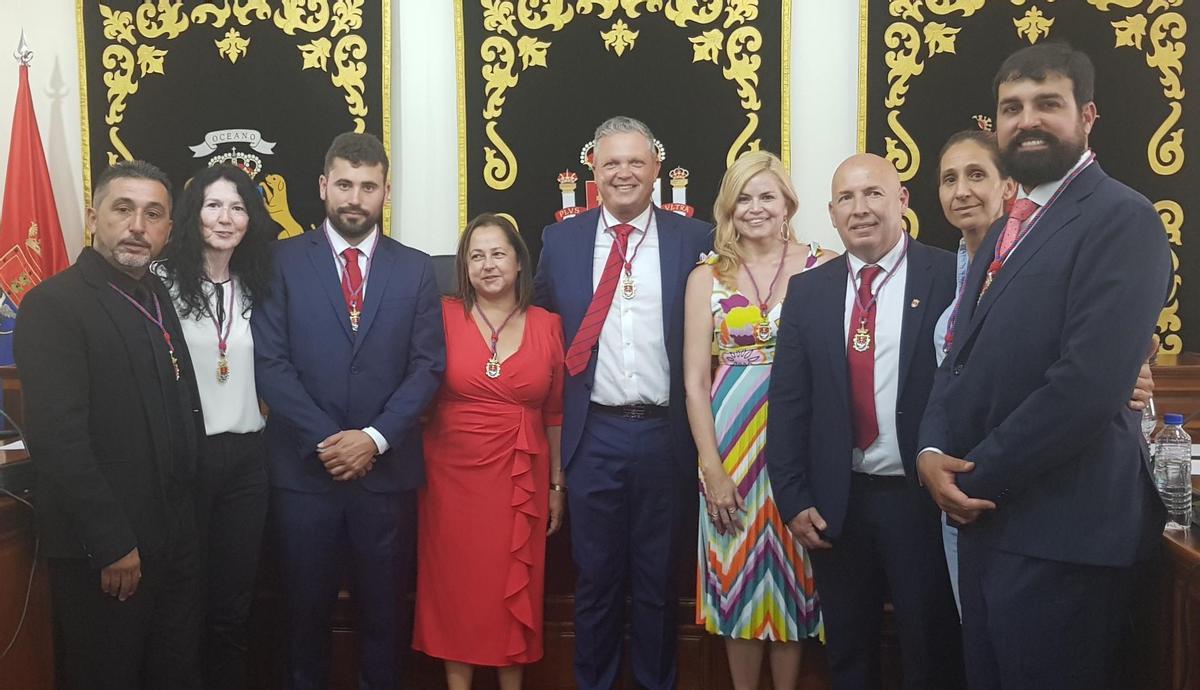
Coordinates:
<point>352,281</point>
<point>862,364</point>
<point>589,330</point>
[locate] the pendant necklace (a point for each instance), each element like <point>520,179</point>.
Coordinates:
<point>492,368</point>
<point>628,287</point>
<point>223,329</point>
<point>861,340</point>
<point>157,320</point>
<point>762,330</point>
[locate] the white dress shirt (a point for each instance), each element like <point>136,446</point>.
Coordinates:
<point>366,249</point>
<point>883,455</point>
<point>632,365</point>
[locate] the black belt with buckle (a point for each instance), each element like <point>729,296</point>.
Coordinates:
<point>631,411</point>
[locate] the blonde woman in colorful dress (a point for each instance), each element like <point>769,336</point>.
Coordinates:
<point>754,584</point>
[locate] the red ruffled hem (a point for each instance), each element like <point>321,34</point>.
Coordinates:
<point>517,596</point>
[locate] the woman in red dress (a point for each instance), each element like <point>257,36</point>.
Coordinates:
<point>494,484</point>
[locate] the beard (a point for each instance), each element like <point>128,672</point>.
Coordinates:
<point>1032,168</point>
<point>349,229</point>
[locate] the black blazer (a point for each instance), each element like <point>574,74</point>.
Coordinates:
<point>1034,390</point>
<point>96,422</point>
<point>810,434</point>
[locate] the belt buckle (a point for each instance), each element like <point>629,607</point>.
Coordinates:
<point>633,412</point>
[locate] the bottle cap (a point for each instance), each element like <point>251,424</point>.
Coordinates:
<point>1173,419</point>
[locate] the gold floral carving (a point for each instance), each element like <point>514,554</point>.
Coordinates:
<point>538,14</point>
<point>532,52</point>
<point>498,16</point>
<point>1034,26</point>
<point>905,43</point>
<point>738,50</point>
<point>1106,5</point>
<point>939,38</point>
<point>233,45</point>
<point>1160,33</point>
<point>1165,150</point>
<point>500,165</point>
<point>309,16</point>
<point>1169,323</point>
<point>1130,31</point>
<point>912,224</point>
<point>165,18</point>
<point>168,19</point>
<point>619,38</point>
<point>945,7</point>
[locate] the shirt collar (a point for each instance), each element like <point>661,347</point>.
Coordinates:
<point>1042,193</point>
<point>339,243</point>
<point>887,263</point>
<point>640,223</point>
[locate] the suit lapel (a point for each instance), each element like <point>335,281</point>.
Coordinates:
<point>831,319</point>
<point>582,250</point>
<point>1057,216</point>
<point>381,265</point>
<point>918,283</point>
<point>127,321</point>
<point>670,248</point>
<point>321,256</point>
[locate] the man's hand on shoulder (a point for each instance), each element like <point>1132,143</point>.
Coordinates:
<point>937,471</point>
<point>347,454</point>
<point>807,527</point>
<point>120,578</point>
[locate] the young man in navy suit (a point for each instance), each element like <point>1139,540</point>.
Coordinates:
<point>616,275</point>
<point>853,369</point>
<point>1028,441</point>
<point>348,351</point>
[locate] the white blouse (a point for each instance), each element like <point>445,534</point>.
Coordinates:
<point>230,406</point>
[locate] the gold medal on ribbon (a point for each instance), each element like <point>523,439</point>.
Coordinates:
<point>628,289</point>
<point>861,342</point>
<point>354,314</point>
<point>762,331</point>
<point>492,368</point>
<point>222,369</point>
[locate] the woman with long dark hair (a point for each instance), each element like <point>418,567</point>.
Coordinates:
<point>217,267</point>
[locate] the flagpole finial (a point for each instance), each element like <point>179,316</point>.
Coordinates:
<point>23,55</point>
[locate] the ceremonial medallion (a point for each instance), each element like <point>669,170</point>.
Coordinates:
<point>762,332</point>
<point>862,339</point>
<point>492,368</point>
<point>628,289</point>
<point>175,366</point>
<point>222,369</point>
<point>354,314</point>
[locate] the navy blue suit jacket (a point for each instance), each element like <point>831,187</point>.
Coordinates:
<point>318,377</point>
<point>810,435</point>
<point>564,286</point>
<point>1034,390</point>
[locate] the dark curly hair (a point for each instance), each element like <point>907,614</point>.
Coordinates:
<point>184,255</point>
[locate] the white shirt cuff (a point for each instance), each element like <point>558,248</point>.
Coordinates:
<point>380,442</point>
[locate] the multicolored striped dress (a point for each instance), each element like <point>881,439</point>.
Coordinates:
<point>756,584</point>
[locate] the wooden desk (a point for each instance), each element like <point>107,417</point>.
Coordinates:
<point>30,663</point>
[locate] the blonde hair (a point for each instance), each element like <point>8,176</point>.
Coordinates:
<point>725,241</point>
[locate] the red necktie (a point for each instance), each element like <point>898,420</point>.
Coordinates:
<point>352,279</point>
<point>1021,210</point>
<point>862,364</point>
<point>589,330</point>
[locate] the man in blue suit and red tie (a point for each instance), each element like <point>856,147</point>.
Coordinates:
<point>853,368</point>
<point>1028,441</point>
<point>616,276</point>
<point>348,351</point>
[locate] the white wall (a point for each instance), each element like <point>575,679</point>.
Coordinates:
<point>424,113</point>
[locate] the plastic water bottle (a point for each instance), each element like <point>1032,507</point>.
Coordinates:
<point>1173,471</point>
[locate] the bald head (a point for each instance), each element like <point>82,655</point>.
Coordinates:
<point>867,205</point>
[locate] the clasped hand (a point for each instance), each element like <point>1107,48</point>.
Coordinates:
<point>347,454</point>
<point>724,501</point>
<point>937,472</point>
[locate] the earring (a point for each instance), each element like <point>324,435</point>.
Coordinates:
<point>737,236</point>
<point>783,232</point>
